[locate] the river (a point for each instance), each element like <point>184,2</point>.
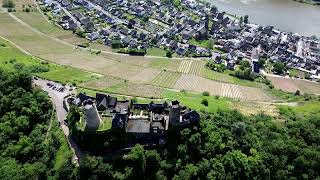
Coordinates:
<point>285,15</point>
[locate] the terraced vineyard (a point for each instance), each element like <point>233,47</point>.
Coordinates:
<point>166,79</point>
<point>146,75</point>
<point>198,84</point>
<point>123,70</point>
<point>185,66</point>
<point>197,67</point>
<point>292,85</point>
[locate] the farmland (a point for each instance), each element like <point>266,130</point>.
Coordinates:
<point>123,74</point>
<point>11,58</point>
<point>166,79</point>
<point>199,84</point>
<point>292,85</point>
<point>133,89</point>
<point>101,83</point>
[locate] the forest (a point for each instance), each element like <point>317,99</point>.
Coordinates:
<point>224,145</point>
<point>27,149</point>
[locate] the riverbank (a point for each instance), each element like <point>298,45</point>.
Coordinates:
<point>285,15</point>
<point>308,2</point>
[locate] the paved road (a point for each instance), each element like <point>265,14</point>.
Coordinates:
<point>71,16</point>
<point>99,8</point>
<point>57,100</point>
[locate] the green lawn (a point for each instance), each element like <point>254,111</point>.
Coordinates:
<point>106,124</point>
<point>193,100</point>
<point>68,75</point>
<point>154,51</point>
<point>203,43</point>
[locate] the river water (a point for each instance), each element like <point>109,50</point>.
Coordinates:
<point>285,15</point>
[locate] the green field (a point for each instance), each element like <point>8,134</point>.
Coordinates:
<point>193,100</point>
<point>11,58</point>
<point>154,51</point>
<point>204,43</point>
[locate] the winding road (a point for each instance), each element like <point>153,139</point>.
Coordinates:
<point>57,100</point>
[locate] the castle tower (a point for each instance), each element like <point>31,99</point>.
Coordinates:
<point>175,113</point>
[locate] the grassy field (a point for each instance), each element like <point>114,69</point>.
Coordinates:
<point>133,89</point>
<point>154,51</point>
<point>193,100</point>
<point>68,75</point>
<point>11,57</point>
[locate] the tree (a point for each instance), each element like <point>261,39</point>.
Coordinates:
<point>246,19</point>
<point>262,62</point>
<point>278,67</point>
<point>137,154</point>
<point>169,54</point>
<point>206,93</point>
<point>8,4</point>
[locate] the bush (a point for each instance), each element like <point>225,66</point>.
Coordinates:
<point>134,100</point>
<point>8,4</point>
<point>169,54</point>
<point>205,102</point>
<point>206,93</point>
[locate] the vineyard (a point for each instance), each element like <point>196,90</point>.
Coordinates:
<point>123,70</point>
<point>185,66</point>
<point>133,89</point>
<point>198,84</point>
<point>197,67</point>
<point>146,75</point>
<point>292,85</point>
<point>166,79</point>
<point>101,83</point>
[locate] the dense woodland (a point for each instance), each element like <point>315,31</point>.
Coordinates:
<point>225,145</point>
<point>26,151</point>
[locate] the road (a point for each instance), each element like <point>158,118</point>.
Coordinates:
<point>71,16</point>
<point>99,8</point>
<point>57,100</point>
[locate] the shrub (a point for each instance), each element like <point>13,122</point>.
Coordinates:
<point>8,4</point>
<point>134,100</point>
<point>206,93</point>
<point>169,54</point>
<point>205,102</point>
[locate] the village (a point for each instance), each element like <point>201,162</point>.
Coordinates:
<point>142,120</point>
<point>186,29</point>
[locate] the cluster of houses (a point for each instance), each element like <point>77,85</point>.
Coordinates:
<point>141,120</point>
<point>146,23</point>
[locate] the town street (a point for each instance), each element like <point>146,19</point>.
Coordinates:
<point>99,8</point>
<point>57,100</point>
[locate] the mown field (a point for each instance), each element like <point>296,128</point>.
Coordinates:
<point>12,58</point>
